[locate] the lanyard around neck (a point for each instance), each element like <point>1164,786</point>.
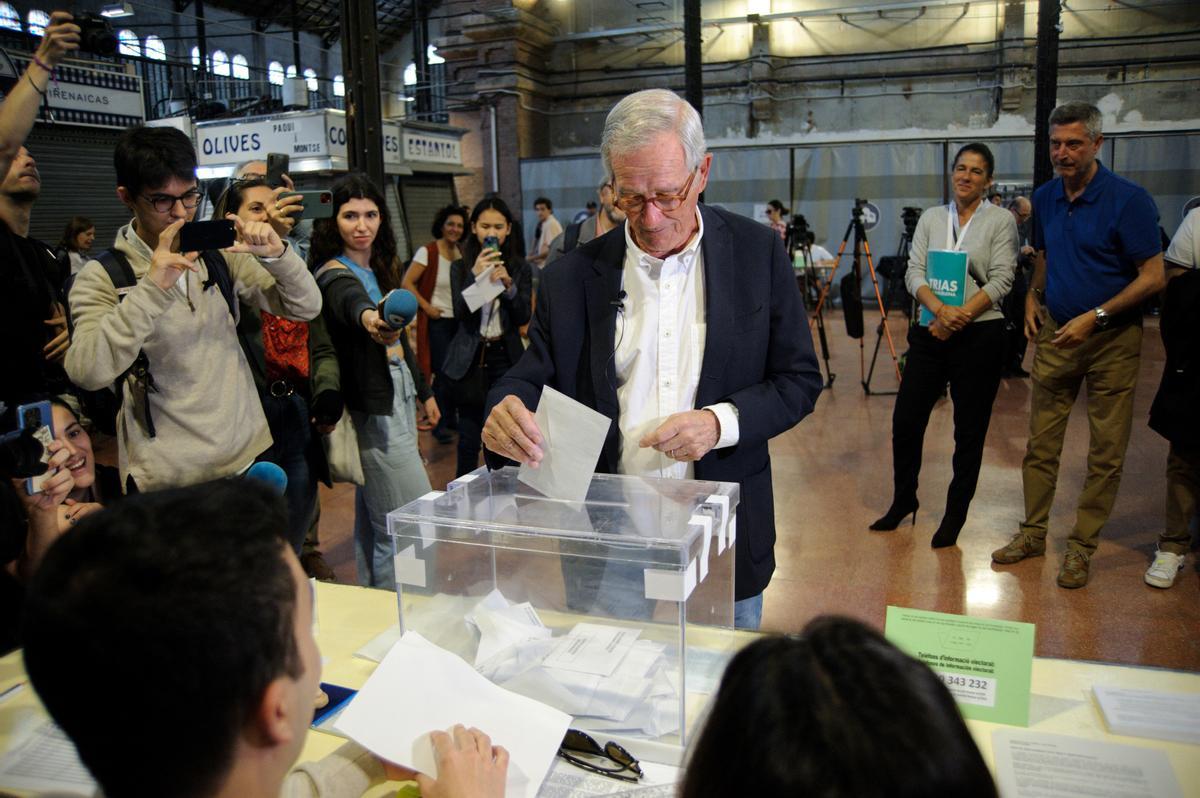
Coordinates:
<point>952,243</point>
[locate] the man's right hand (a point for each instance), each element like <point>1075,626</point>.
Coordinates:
<point>469,766</point>
<point>1033,316</point>
<point>165,265</point>
<point>60,38</point>
<point>511,432</point>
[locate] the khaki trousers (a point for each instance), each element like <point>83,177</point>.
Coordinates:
<point>1183,492</point>
<point>1108,361</point>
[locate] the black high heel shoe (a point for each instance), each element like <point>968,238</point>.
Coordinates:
<point>947,532</point>
<point>895,514</point>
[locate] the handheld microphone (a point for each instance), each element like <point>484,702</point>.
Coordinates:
<point>398,308</point>
<point>268,474</point>
<point>619,302</point>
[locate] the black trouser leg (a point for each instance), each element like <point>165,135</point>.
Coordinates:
<point>470,424</point>
<point>925,376</point>
<point>975,366</point>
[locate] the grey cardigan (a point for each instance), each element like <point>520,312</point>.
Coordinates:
<point>990,244</point>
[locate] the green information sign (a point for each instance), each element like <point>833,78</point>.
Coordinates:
<point>986,664</point>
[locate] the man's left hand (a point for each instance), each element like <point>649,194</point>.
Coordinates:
<point>1076,331</point>
<point>686,436</point>
<point>256,238</point>
<point>56,350</point>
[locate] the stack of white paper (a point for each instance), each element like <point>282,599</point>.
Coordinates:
<point>1150,713</point>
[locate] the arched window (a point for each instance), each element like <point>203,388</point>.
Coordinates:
<point>9,18</point>
<point>241,67</point>
<point>220,63</point>
<point>156,49</point>
<point>37,22</point>
<point>275,73</point>
<point>339,86</point>
<point>128,43</point>
<point>195,58</point>
<point>410,75</point>
<point>310,77</point>
<point>290,71</point>
<point>433,56</point>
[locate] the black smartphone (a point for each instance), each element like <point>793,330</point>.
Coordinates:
<point>277,166</point>
<point>491,242</point>
<point>37,417</point>
<point>316,204</point>
<point>201,236</point>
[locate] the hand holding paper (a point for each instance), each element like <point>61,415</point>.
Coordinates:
<point>573,437</point>
<point>483,290</point>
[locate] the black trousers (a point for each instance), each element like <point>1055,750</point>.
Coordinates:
<point>970,361</point>
<point>495,363</point>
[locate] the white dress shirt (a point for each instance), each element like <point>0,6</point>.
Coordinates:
<point>660,339</point>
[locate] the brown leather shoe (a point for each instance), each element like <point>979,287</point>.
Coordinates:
<point>1020,547</point>
<point>315,566</point>
<point>1074,571</point>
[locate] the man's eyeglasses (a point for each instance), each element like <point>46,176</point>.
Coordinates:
<point>633,203</point>
<point>163,203</point>
<point>577,744</point>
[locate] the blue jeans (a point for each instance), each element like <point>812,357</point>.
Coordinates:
<point>394,476</point>
<point>747,613</point>
<point>287,418</point>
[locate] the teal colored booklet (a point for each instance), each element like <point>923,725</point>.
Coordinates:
<point>946,273</point>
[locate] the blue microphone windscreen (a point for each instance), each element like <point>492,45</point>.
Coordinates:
<point>270,475</point>
<point>398,308</point>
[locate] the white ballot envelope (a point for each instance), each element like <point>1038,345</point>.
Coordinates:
<point>483,290</point>
<point>572,437</point>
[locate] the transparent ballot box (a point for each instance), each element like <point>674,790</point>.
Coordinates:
<point>617,610</point>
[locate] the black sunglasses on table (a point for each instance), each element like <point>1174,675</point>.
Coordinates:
<point>577,742</point>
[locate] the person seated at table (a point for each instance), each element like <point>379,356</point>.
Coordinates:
<point>836,711</point>
<point>170,637</point>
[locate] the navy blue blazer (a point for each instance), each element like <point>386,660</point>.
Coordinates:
<point>758,354</point>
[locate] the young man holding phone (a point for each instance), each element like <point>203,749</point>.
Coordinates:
<point>195,415</point>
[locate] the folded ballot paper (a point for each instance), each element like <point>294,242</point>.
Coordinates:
<point>596,671</point>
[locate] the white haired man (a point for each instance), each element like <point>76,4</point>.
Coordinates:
<point>714,358</point>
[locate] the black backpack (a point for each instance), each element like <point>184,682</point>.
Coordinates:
<point>102,406</point>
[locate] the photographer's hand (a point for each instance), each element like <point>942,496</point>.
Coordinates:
<point>60,38</point>
<point>165,264</point>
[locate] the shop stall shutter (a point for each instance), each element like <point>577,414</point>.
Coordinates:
<point>78,179</point>
<point>424,196</point>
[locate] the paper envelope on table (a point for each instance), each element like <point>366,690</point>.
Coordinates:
<point>419,687</point>
<point>572,437</point>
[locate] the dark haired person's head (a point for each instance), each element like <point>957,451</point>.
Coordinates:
<point>838,712</point>
<point>450,223</point>
<point>1076,135</point>
<point>156,178</point>
<point>190,601</point>
<point>490,218</point>
<point>359,223</point>
<point>247,198</point>
<point>971,173</point>
<point>544,207</point>
<point>776,210</point>
<point>78,235</point>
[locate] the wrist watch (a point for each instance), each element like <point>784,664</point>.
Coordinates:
<point>1102,318</point>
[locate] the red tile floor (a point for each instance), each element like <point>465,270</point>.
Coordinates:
<point>832,477</point>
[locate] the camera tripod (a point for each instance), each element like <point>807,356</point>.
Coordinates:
<point>895,281</point>
<point>862,247</point>
<point>801,238</point>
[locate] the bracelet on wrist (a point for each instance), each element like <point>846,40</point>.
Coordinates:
<point>43,65</point>
<point>35,86</point>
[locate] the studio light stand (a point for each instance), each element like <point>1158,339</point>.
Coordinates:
<point>800,237</point>
<point>862,247</point>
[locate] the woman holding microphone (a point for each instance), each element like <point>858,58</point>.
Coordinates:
<point>488,341</point>
<point>353,256</point>
<point>962,345</point>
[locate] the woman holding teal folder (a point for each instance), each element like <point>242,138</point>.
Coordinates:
<point>960,267</point>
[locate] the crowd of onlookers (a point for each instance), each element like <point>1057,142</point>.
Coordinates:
<point>276,347</point>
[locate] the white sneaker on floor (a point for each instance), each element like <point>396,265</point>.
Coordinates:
<point>1163,570</point>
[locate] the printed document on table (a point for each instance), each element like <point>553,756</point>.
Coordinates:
<point>1150,713</point>
<point>1036,765</point>
<point>483,290</point>
<point>572,437</point>
<point>46,763</point>
<point>419,687</point>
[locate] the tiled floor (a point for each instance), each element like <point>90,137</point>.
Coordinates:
<point>833,477</point>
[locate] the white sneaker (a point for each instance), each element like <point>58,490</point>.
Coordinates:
<point>1163,570</point>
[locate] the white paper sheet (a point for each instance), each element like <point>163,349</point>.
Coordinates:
<point>419,687</point>
<point>1036,765</point>
<point>593,648</point>
<point>483,290</point>
<point>1150,713</point>
<point>568,781</point>
<point>380,645</point>
<point>572,437</point>
<point>46,762</point>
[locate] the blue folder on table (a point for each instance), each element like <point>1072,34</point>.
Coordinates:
<point>946,273</point>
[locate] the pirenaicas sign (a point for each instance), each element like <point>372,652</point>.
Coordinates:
<point>315,134</point>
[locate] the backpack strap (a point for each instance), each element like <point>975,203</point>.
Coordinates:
<point>218,275</point>
<point>120,272</point>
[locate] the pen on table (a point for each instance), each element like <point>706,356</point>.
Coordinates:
<point>6,693</point>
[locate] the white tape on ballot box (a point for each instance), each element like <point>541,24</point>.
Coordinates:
<point>671,585</point>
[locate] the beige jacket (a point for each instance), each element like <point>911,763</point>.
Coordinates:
<point>207,416</point>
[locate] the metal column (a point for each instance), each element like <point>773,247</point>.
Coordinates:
<point>1047,88</point>
<point>364,112</point>
<point>693,70</point>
